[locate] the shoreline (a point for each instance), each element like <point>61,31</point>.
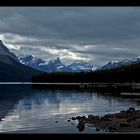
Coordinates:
<point>124,121</point>
<point>100,86</point>
<point>122,89</point>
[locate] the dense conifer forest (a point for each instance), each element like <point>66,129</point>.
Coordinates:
<point>130,73</point>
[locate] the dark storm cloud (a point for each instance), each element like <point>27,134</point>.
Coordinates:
<point>95,34</point>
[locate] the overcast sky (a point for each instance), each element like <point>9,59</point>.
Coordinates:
<point>93,34</point>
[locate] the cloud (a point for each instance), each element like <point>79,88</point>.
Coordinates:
<point>94,34</point>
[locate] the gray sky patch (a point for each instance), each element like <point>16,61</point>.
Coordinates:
<point>93,34</point>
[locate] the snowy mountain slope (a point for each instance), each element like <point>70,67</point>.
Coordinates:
<point>33,62</point>
<point>55,65</point>
<point>78,66</point>
<point>117,64</point>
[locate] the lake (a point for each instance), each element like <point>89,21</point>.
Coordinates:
<point>26,109</point>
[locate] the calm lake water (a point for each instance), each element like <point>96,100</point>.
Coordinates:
<point>25,109</point>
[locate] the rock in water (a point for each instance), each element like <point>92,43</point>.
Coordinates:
<point>81,125</point>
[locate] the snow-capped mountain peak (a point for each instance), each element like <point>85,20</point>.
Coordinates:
<point>94,68</point>
<point>78,66</point>
<point>32,61</point>
<point>56,61</point>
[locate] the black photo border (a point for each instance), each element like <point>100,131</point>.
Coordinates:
<point>90,3</point>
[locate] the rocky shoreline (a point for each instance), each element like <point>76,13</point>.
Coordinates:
<point>124,121</point>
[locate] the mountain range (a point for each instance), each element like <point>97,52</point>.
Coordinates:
<point>22,68</point>
<point>77,66</point>
<point>118,64</point>
<point>55,65</point>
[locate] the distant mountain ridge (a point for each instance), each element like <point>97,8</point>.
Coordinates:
<point>118,64</point>
<point>78,66</point>
<point>55,65</point>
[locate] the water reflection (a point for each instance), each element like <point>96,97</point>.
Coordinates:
<point>26,108</point>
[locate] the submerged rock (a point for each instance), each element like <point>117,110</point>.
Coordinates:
<point>72,123</point>
<point>73,118</point>
<point>83,117</point>
<point>81,125</point>
<point>90,117</point>
<point>97,129</point>
<point>78,117</point>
